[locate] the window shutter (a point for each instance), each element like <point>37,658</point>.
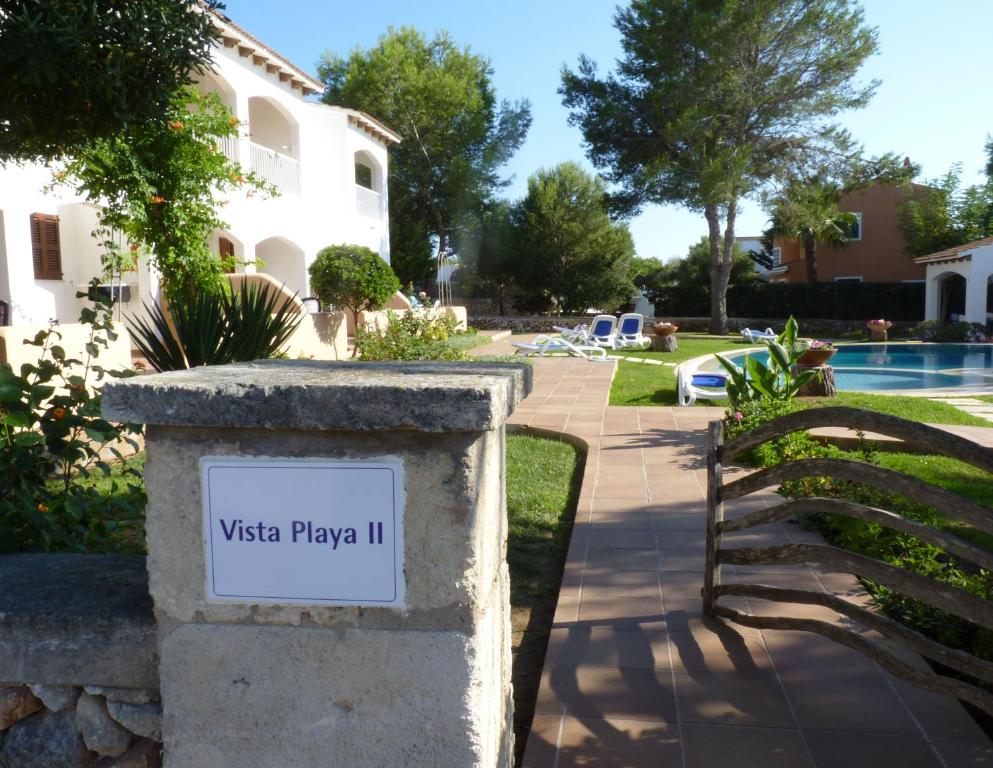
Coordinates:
<point>226,248</point>
<point>45,250</point>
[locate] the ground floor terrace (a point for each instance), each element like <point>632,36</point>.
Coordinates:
<point>636,675</point>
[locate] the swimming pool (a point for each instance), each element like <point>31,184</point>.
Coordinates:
<point>887,367</point>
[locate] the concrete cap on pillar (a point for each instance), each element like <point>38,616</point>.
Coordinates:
<point>325,395</point>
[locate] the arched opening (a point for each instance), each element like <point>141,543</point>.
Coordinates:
<point>274,145</point>
<point>368,185</point>
<point>951,297</point>
<point>230,250</point>
<point>989,304</point>
<point>211,82</point>
<point>284,261</point>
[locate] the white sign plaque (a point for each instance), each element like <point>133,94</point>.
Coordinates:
<point>307,531</point>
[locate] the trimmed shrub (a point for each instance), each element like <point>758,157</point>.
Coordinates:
<point>354,277</point>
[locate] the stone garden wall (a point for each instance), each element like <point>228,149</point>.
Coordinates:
<point>78,665</point>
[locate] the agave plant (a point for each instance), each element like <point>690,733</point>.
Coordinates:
<point>213,328</point>
<point>780,379</point>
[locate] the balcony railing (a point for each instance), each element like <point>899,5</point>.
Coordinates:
<point>368,202</point>
<point>228,145</point>
<point>279,170</point>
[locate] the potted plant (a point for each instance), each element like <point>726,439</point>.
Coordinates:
<point>665,329</point>
<point>878,329</point>
<point>816,354</point>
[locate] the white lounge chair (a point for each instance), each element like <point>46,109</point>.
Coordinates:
<point>549,345</point>
<point>699,385</point>
<point>629,331</point>
<point>578,335</point>
<point>756,337</point>
<point>603,331</point>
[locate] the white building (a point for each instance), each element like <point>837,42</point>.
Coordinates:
<point>960,283</point>
<point>750,243</point>
<point>329,163</point>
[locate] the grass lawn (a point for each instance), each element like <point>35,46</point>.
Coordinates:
<point>640,384</point>
<point>637,384</point>
<point>953,475</point>
<point>543,478</point>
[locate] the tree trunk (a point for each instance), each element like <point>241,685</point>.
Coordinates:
<point>810,255</point>
<point>721,256</point>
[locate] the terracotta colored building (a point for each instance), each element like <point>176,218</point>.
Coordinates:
<point>877,252</point>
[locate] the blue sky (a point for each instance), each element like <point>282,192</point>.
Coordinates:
<point>935,103</point>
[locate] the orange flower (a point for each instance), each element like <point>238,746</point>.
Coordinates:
<point>234,121</point>
<point>175,125</point>
<point>43,507</point>
<point>134,247</point>
<point>156,199</point>
<point>59,413</point>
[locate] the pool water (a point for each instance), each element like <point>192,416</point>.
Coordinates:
<point>883,367</point>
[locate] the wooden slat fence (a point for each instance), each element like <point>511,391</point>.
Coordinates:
<point>945,597</point>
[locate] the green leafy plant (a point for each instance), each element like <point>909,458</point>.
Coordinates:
<point>52,437</point>
<point>354,277</point>
<point>216,327</point>
<point>417,335</point>
<point>157,184</point>
<point>779,379</point>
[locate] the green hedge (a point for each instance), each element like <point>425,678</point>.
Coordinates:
<point>826,301</point>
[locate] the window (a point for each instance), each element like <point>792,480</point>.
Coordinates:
<point>855,228</point>
<point>849,279</point>
<point>226,251</point>
<point>363,175</point>
<point>45,249</point>
<point>777,256</point>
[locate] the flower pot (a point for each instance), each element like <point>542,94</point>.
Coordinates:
<point>814,358</point>
<point>665,329</point>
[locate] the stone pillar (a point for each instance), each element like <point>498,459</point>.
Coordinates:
<point>385,642</point>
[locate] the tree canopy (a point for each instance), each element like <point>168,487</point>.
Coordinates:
<point>712,98</point>
<point>155,183</point>
<point>352,276</point>
<point>942,213</point>
<point>684,284</point>
<point>569,254</point>
<point>440,99</point>
<point>77,71</point>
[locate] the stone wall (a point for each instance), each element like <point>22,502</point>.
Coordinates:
<point>78,666</point>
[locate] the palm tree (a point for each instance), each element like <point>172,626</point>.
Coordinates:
<point>808,210</point>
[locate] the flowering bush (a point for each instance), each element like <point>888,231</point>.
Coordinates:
<point>815,344</point>
<point>52,436</point>
<point>417,335</point>
<point>879,323</point>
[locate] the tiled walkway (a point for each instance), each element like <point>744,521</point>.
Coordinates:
<point>636,676</point>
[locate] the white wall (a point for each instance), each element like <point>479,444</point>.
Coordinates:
<point>323,213</point>
<point>976,271</point>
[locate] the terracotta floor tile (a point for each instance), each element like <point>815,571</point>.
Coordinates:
<point>616,742</point>
<point>619,612</point>
<point>622,559</point>
<point>640,694</point>
<point>975,753</point>
<point>638,648</point>
<point>863,705</point>
<point>693,539</point>
<point>942,717</point>
<point>683,560</point>
<point>732,699</point>
<point>671,521</point>
<point>719,649</point>
<point>715,746</point>
<point>863,750</point>
<point>542,741</point>
<point>681,587</point>
<point>626,521</point>
<point>803,657</point>
<point>619,539</point>
<point>607,584</point>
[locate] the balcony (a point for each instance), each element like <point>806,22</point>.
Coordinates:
<point>228,146</point>
<point>368,202</point>
<point>281,171</point>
